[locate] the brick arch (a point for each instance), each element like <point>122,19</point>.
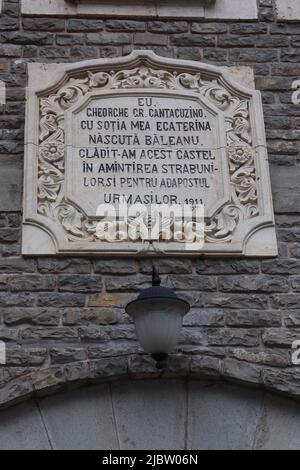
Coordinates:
<point>54,378</point>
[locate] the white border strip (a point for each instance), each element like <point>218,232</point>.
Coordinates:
<point>194,9</point>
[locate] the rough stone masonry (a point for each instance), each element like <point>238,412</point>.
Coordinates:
<point>63,319</point>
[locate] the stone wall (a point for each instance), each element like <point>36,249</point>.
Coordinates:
<point>63,318</point>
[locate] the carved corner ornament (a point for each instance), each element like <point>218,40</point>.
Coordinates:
<point>240,223</point>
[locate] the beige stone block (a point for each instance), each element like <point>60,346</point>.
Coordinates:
<point>110,300</point>
<point>170,9</point>
<point>47,7</point>
<point>288,10</point>
<point>242,74</point>
<point>232,9</point>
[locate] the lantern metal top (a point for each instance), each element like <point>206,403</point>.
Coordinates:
<point>157,292</point>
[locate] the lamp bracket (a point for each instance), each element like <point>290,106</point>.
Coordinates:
<point>156,281</point>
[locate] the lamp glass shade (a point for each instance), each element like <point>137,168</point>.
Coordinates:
<point>158,322</point>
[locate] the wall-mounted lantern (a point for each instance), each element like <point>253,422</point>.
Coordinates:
<point>158,314</point>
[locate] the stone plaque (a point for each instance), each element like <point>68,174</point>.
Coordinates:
<point>149,131</point>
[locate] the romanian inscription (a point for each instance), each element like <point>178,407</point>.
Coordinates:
<point>145,149</point>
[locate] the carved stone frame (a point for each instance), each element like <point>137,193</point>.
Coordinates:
<point>51,225</point>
